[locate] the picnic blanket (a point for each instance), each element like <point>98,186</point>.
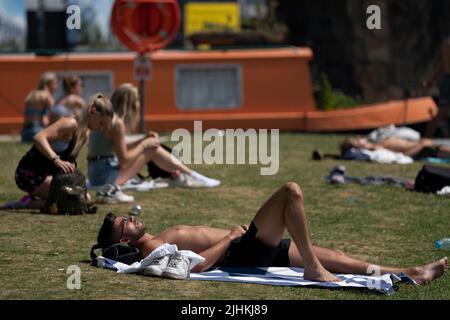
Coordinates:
<point>277,276</point>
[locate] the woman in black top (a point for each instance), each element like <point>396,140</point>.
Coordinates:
<point>36,169</point>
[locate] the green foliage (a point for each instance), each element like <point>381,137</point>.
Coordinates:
<point>329,99</point>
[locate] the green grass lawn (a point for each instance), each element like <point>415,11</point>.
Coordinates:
<point>382,224</point>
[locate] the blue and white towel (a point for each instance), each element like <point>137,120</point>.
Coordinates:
<point>276,276</point>
<point>283,276</point>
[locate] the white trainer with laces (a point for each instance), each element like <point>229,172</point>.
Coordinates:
<point>111,194</point>
<point>178,267</point>
<point>158,265</point>
<point>187,181</point>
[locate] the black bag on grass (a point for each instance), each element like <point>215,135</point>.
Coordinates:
<point>68,195</point>
<point>432,178</point>
<point>118,252</point>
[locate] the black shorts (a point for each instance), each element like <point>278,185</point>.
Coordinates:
<point>427,152</point>
<point>247,251</point>
<point>28,180</point>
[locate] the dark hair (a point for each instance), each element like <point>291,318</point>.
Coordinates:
<point>69,82</point>
<point>104,237</point>
<point>345,145</point>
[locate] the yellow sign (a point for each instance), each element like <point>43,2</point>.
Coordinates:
<point>211,16</point>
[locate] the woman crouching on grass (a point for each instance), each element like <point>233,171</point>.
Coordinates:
<point>36,169</point>
<point>112,161</point>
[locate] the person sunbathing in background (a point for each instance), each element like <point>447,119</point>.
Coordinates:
<point>71,103</point>
<point>257,245</point>
<point>37,104</point>
<point>49,83</point>
<point>423,148</point>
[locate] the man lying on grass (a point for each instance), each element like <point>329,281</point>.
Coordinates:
<point>260,244</point>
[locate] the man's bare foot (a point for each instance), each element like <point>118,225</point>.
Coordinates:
<point>425,274</point>
<point>319,274</point>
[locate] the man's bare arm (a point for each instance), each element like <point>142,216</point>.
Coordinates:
<point>214,253</point>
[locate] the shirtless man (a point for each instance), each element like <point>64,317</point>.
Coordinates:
<point>260,244</point>
<point>442,71</point>
<point>417,150</point>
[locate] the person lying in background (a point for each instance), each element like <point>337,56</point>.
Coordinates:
<point>424,148</point>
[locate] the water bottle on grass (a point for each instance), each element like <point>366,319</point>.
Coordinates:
<point>443,244</point>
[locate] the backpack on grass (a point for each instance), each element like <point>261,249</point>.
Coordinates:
<point>68,195</point>
<point>432,178</point>
<point>121,252</point>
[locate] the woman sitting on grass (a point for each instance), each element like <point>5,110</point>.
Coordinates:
<point>71,103</point>
<point>112,161</point>
<point>37,104</point>
<point>36,169</point>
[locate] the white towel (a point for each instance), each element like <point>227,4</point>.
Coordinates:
<point>162,250</point>
<point>387,156</point>
<point>277,276</point>
<point>283,276</point>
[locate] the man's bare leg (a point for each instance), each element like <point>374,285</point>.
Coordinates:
<point>285,209</point>
<point>279,211</point>
<point>338,262</point>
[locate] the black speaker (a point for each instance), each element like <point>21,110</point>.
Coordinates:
<point>46,30</point>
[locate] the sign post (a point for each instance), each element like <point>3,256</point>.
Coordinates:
<point>145,26</point>
<point>142,71</point>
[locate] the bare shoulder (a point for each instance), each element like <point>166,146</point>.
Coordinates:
<point>117,125</point>
<point>68,123</point>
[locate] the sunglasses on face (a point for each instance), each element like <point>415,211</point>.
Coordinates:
<point>123,223</point>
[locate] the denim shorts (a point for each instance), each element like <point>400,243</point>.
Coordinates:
<point>103,171</point>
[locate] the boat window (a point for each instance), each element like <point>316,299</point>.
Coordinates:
<point>204,87</point>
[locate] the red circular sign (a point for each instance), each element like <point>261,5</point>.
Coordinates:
<point>145,25</point>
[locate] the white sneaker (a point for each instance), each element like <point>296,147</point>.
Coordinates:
<point>111,194</point>
<point>178,267</point>
<point>207,182</point>
<point>188,181</point>
<point>132,183</point>
<point>157,267</point>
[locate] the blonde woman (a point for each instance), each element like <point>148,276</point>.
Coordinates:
<point>49,83</point>
<point>36,169</point>
<point>113,161</point>
<point>37,104</point>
